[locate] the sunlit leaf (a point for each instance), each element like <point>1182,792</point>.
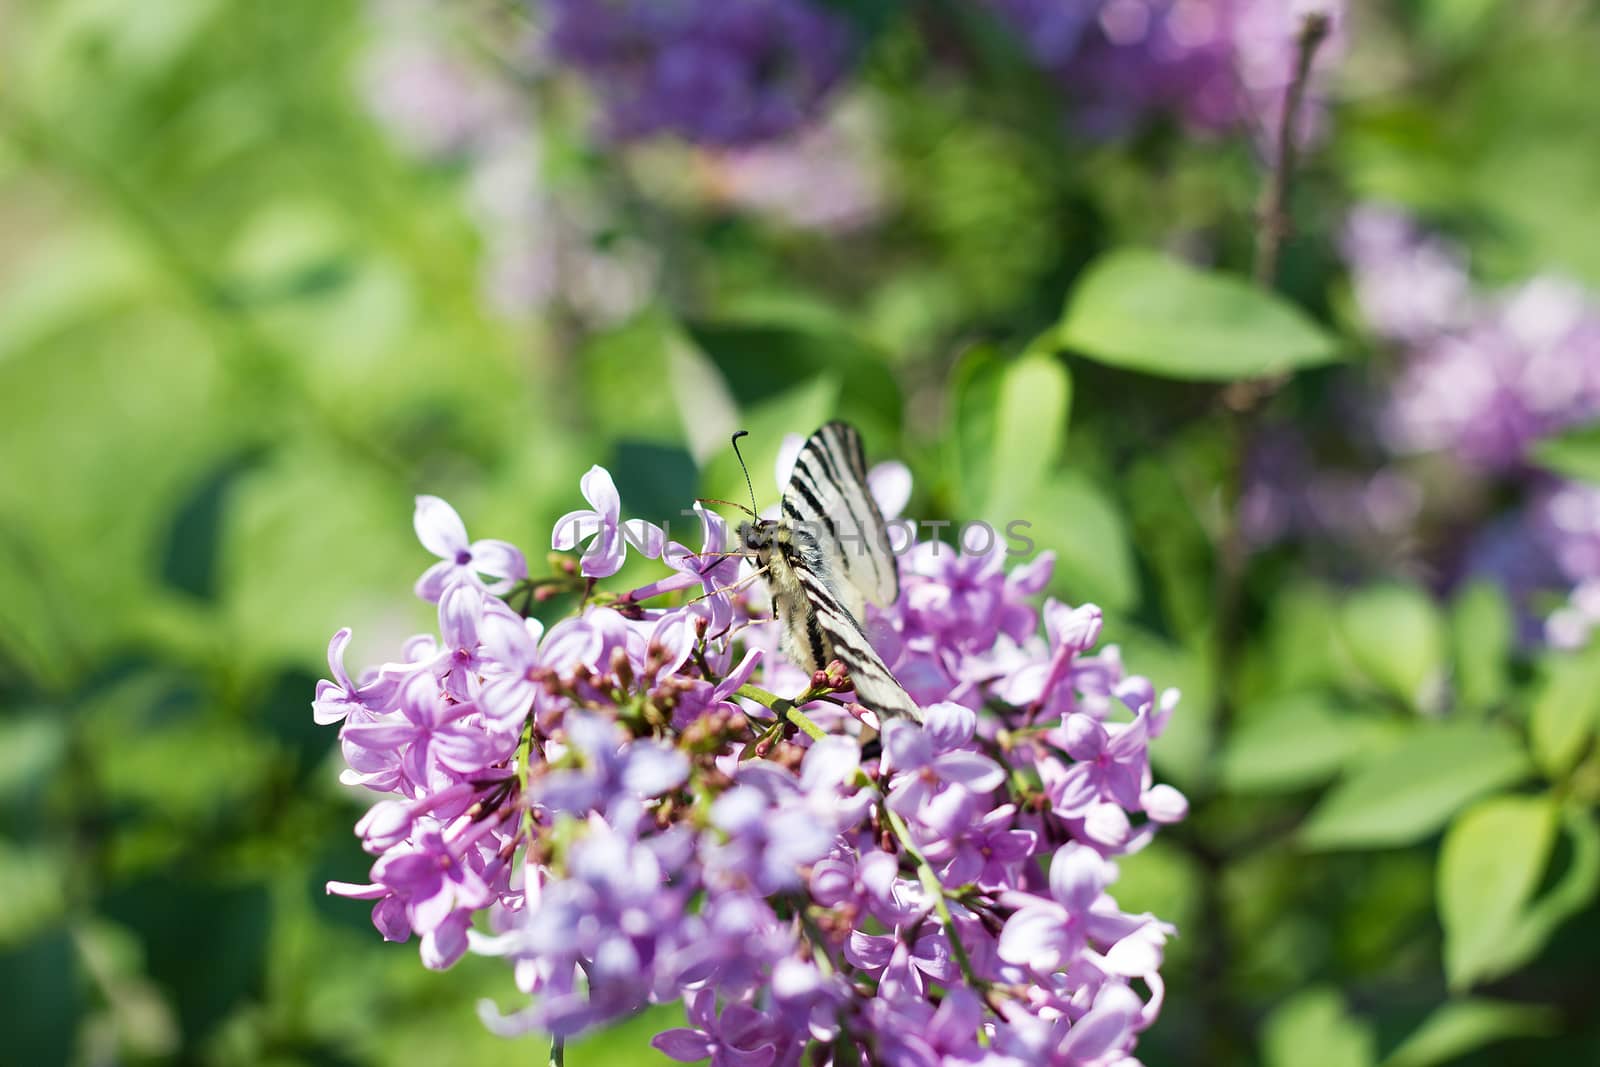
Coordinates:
<point>1566,709</point>
<point>1573,892</point>
<point>1396,636</point>
<point>1143,311</point>
<point>1296,742</point>
<point>1030,424</point>
<point>1313,1029</point>
<point>1491,860</point>
<point>1407,792</point>
<point>1084,527</point>
<point>1461,1026</point>
<point>1481,634</point>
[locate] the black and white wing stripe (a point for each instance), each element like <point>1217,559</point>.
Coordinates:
<point>828,496</point>
<point>845,562</point>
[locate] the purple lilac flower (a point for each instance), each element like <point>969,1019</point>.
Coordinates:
<point>602,526</point>
<point>716,72</point>
<point>1288,495</point>
<point>1215,64</point>
<point>1526,365</point>
<point>1546,557</point>
<point>1409,285</point>
<point>606,806</point>
<point>441,532</point>
<point>1482,375</point>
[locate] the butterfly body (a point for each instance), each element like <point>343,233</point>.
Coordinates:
<point>796,572</point>
<point>824,560</point>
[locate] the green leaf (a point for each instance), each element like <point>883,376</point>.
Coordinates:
<point>32,747</point>
<point>1142,311</point>
<point>1405,793</point>
<point>630,365</point>
<point>1481,635</point>
<point>761,361</point>
<point>194,539</point>
<point>1457,25</point>
<point>1566,709</point>
<point>1489,865</point>
<point>1296,741</point>
<point>1083,526</point>
<point>975,399</point>
<point>1397,638</point>
<point>1312,1029</point>
<point>1574,454</point>
<point>1462,1026</point>
<point>1573,892</point>
<point>1030,424</point>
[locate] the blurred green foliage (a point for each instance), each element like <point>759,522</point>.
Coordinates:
<point>239,330</point>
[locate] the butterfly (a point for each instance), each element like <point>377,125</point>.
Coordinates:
<point>824,560</point>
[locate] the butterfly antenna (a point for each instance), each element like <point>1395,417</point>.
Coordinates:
<point>745,468</point>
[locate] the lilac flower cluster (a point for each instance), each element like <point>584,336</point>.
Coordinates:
<point>1213,64</point>
<point>1484,375</point>
<point>715,72</point>
<point>615,806</point>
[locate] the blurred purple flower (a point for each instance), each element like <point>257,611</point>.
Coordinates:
<point>1410,286</point>
<point>1526,366</point>
<point>710,71</point>
<point>1214,64</point>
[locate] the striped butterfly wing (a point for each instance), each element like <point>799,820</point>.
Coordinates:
<point>828,498</point>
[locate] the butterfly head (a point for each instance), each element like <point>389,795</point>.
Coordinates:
<point>758,536</point>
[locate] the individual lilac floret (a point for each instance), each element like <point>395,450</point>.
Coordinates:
<point>616,806</point>
<point>709,71</point>
<point>739,1037</point>
<point>602,526</point>
<point>442,532</point>
<point>343,698</point>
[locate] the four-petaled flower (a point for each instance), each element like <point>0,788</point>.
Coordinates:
<point>602,526</point>
<point>442,532</point>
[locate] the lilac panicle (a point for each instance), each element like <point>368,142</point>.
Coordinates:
<point>1483,375</point>
<point>607,805</point>
<point>710,71</point>
<point>1215,65</point>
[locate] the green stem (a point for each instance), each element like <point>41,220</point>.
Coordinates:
<point>524,759</point>
<point>930,882</point>
<point>788,709</point>
<point>558,1052</point>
